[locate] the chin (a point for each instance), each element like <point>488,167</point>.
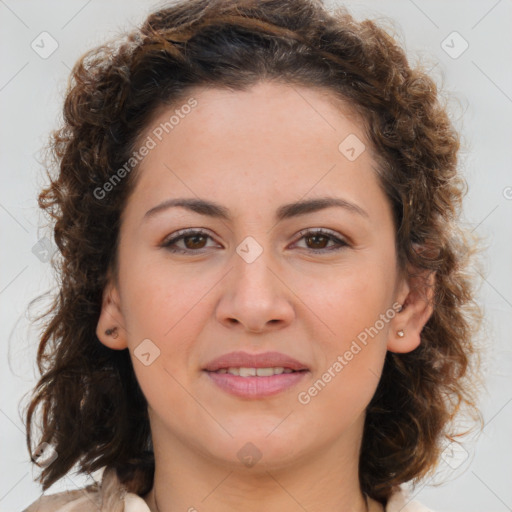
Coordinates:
<point>256,449</point>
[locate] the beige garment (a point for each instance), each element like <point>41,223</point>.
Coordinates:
<point>111,496</point>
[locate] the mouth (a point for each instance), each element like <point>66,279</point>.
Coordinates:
<point>255,383</point>
<point>256,372</point>
<point>255,376</point>
<point>251,365</point>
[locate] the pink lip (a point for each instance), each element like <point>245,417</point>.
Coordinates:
<point>264,360</point>
<point>255,387</point>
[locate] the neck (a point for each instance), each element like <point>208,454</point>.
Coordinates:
<point>326,481</point>
<point>369,505</point>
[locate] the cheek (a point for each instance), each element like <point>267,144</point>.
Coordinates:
<point>162,305</point>
<point>162,299</point>
<point>336,400</point>
<point>354,345</point>
<point>350,300</point>
<point>352,358</point>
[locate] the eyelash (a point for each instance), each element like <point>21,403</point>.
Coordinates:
<point>189,233</point>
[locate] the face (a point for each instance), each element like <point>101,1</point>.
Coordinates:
<point>246,274</point>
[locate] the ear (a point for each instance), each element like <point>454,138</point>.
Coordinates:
<point>111,318</point>
<point>416,295</point>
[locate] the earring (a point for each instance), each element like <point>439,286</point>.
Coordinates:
<point>112,332</point>
<point>400,333</point>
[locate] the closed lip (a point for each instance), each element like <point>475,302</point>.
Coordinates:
<point>242,359</point>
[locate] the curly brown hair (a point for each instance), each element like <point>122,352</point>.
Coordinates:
<point>91,406</point>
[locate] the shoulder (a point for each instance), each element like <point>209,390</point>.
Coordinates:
<point>401,501</point>
<point>107,496</point>
<point>111,496</point>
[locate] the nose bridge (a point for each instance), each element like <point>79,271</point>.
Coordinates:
<point>255,295</point>
<point>253,272</point>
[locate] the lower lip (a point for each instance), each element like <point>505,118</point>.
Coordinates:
<point>256,387</point>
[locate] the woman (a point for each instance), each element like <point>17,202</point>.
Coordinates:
<point>264,302</point>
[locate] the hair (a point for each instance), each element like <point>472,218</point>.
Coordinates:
<point>91,407</point>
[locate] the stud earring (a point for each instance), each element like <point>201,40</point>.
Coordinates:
<point>400,333</point>
<point>112,332</point>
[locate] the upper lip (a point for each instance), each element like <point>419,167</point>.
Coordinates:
<point>245,360</point>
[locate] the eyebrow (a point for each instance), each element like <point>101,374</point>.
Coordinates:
<point>287,211</point>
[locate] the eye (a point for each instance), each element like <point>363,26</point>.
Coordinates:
<point>193,239</point>
<point>318,238</point>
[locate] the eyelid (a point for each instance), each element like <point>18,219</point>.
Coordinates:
<point>183,233</point>
<point>321,231</point>
<point>186,232</point>
<point>340,241</point>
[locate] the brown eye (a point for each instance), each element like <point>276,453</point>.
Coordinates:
<point>317,241</point>
<point>197,241</point>
<point>193,241</point>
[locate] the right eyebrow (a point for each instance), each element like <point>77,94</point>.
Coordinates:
<point>287,211</point>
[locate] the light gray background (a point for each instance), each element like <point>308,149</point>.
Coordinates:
<point>479,85</point>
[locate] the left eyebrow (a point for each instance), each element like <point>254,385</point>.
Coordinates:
<point>287,211</point>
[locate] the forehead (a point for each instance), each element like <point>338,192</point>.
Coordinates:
<point>220,117</point>
<point>270,142</point>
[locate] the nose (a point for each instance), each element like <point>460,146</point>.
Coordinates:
<point>256,296</point>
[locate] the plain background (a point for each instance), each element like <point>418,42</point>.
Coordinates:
<point>477,81</point>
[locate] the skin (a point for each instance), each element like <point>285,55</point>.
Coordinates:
<point>252,152</point>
